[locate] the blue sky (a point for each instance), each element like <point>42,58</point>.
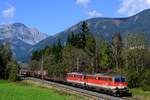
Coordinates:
<point>53,16</point>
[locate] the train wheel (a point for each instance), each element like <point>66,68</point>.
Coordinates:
<point>116,94</point>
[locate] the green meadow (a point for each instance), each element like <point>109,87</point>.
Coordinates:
<point>22,91</point>
<point>29,91</point>
<point>140,94</point>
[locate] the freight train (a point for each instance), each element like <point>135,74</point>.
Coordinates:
<point>108,83</point>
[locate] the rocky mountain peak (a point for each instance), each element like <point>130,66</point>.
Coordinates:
<point>22,32</point>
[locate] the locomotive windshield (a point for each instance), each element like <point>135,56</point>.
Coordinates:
<point>120,79</point>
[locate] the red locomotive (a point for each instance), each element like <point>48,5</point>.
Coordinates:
<point>105,82</point>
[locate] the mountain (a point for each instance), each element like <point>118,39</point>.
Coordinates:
<point>105,27</point>
<point>25,40</point>
<point>20,31</point>
<point>20,37</point>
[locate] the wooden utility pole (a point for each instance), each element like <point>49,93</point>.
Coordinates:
<point>42,76</point>
<point>77,64</point>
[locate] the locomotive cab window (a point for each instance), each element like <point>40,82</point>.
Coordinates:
<point>120,79</point>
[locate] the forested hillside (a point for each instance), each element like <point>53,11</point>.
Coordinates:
<point>105,27</point>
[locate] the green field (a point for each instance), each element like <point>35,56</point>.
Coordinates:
<point>22,91</point>
<point>140,94</point>
<point>26,91</point>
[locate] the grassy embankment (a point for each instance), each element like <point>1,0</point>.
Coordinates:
<point>27,91</point>
<point>140,94</point>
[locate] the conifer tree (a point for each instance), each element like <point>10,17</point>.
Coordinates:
<point>117,49</point>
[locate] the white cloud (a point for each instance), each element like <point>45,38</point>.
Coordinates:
<point>94,13</point>
<point>131,7</point>
<point>83,3</point>
<point>9,12</point>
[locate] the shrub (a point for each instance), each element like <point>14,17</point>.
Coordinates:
<point>13,71</point>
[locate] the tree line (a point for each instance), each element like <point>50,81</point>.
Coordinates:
<point>86,53</point>
<point>9,68</point>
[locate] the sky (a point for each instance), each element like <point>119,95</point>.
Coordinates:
<point>54,16</point>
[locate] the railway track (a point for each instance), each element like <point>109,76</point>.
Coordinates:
<point>127,98</point>
<point>73,90</point>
